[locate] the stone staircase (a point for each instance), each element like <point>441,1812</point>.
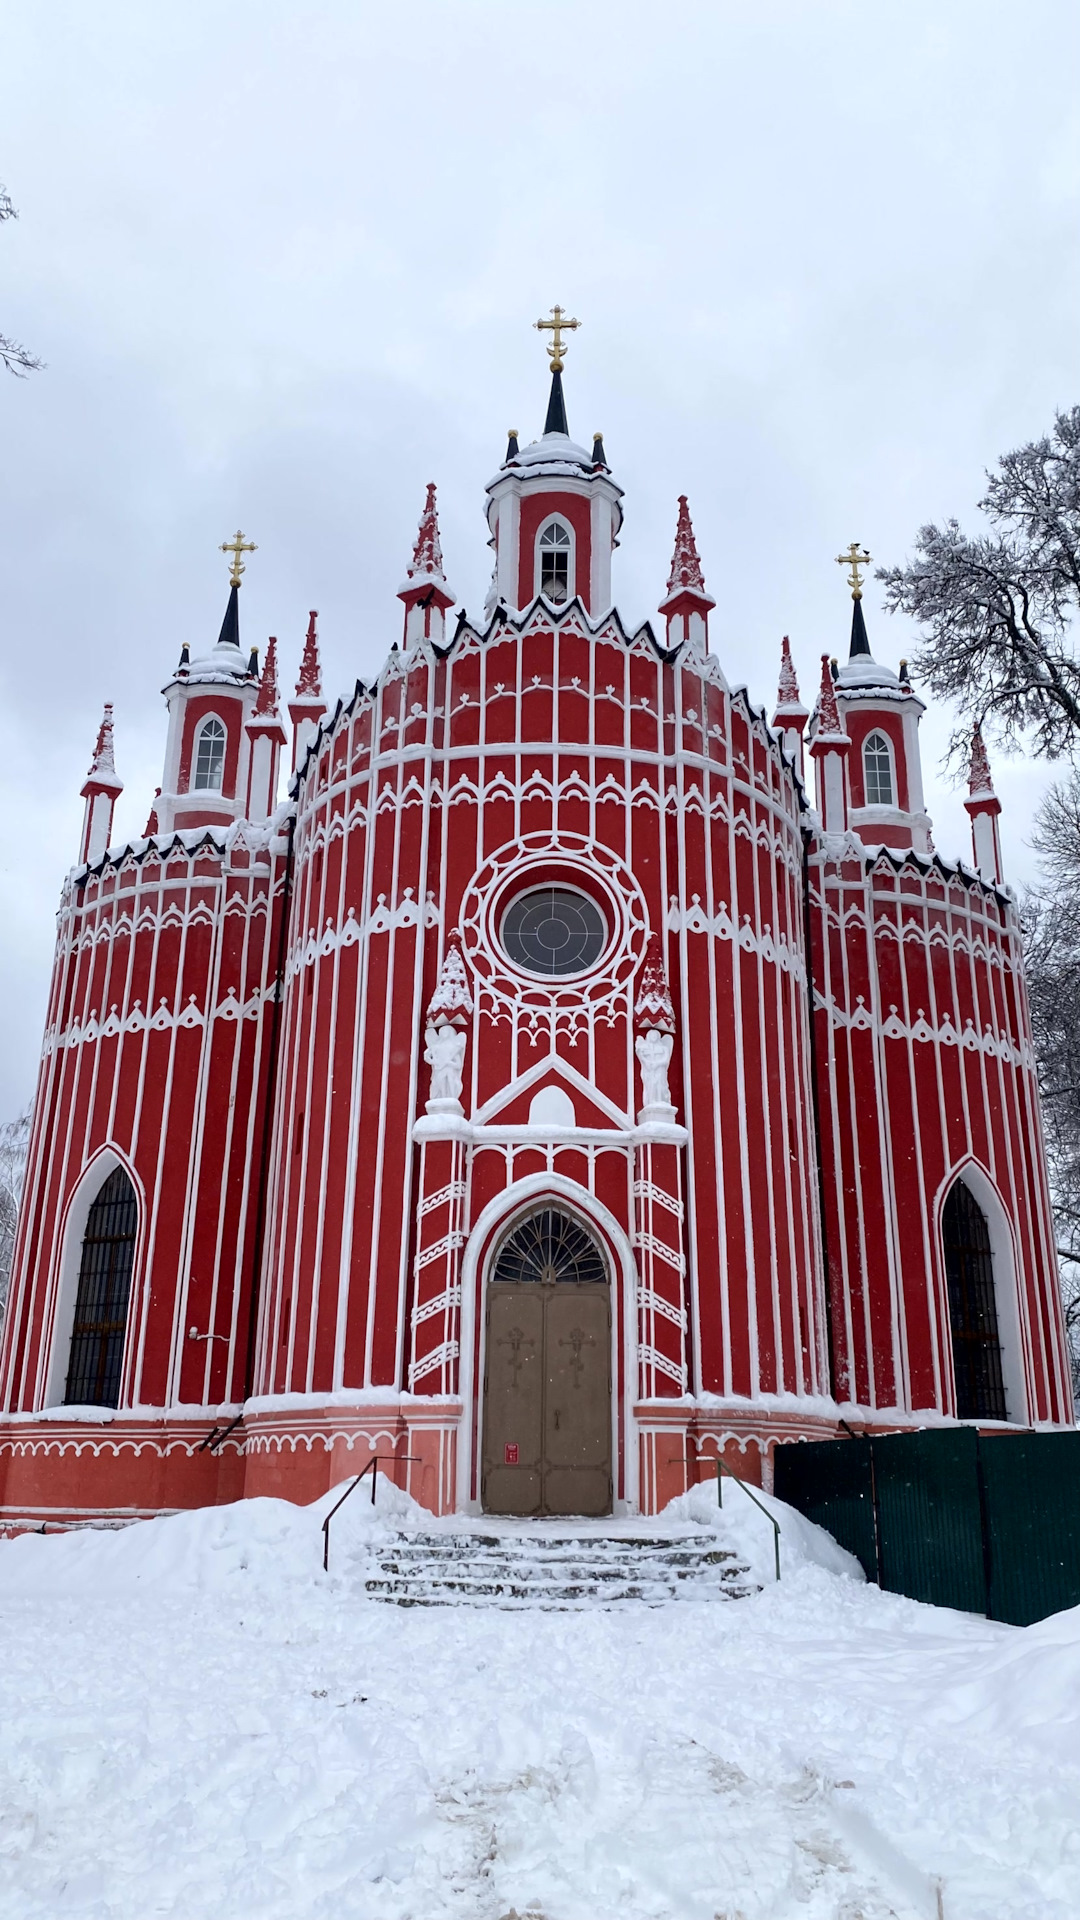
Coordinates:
<point>556,1569</point>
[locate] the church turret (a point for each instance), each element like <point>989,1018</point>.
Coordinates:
<point>790,716</point>
<point>100,790</point>
<point>830,747</point>
<point>267,737</point>
<point>307,706</point>
<point>425,592</point>
<point>687,605</point>
<point>881,713</point>
<point>210,698</point>
<point>983,808</point>
<point>553,508</point>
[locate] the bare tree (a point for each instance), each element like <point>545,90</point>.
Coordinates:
<point>999,611</point>
<point>14,1141</point>
<point>1052,946</point>
<point>18,360</point>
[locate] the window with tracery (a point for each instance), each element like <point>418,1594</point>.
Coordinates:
<point>877,771</point>
<point>548,1247</point>
<point>210,756</point>
<point>555,554</point>
<point>553,931</point>
<point>101,1304</point>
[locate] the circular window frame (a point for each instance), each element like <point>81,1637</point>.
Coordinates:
<point>518,893</point>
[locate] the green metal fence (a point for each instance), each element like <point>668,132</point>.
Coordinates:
<point>986,1523</point>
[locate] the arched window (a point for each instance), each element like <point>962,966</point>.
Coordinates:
<point>549,1246</point>
<point>877,771</point>
<point>210,755</point>
<point>969,1276</point>
<point>555,556</point>
<point>101,1305</point>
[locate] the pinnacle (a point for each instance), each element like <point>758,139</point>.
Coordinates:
<point>653,1009</point>
<point>980,779</point>
<point>787,694</point>
<point>103,766</point>
<point>427,560</point>
<point>309,683</point>
<point>829,720</point>
<point>686,574</point>
<point>268,687</point>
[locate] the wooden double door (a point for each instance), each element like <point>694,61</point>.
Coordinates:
<point>547,1372</point>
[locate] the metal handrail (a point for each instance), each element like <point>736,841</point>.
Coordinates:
<point>697,1459</point>
<point>404,1459</point>
<point>721,1469</point>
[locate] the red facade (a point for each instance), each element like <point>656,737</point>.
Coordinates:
<point>336,1085</point>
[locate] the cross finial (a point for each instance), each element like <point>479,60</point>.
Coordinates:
<point>556,326</point>
<point>236,546</point>
<point>855,557</point>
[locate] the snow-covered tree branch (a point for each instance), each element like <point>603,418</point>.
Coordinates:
<point>999,611</point>
<point>14,1140</point>
<point>17,359</point>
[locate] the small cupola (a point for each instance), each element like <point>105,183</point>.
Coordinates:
<point>553,508</point>
<point>210,699</point>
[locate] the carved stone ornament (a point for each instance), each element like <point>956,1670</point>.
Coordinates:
<point>445,1055</point>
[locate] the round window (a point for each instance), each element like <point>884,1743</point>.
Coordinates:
<point>552,930</point>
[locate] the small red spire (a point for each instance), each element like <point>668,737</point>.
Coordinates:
<point>310,680</point>
<point>980,779</point>
<point>103,766</point>
<point>653,1011</point>
<point>427,560</point>
<point>268,687</point>
<point>451,1003</point>
<point>685,564</point>
<point>788,691</point>
<point>829,720</point>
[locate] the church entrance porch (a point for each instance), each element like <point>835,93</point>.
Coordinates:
<point>547,1374</point>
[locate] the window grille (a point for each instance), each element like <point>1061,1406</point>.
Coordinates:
<point>877,768</point>
<point>555,563</point>
<point>553,931</point>
<point>101,1305</point>
<point>549,1247</point>
<point>210,759</point>
<point>969,1275</point>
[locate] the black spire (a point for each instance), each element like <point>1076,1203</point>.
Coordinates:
<point>511,446</point>
<point>859,641</point>
<point>556,413</point>
<point>230,626</point>
<point>599,457</point>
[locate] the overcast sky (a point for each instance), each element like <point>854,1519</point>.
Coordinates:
<point>283,259</point>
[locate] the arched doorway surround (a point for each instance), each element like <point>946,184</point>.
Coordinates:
<point>546,1425</point>
<point>981,1299</point>
<point>99,1326</point>
<point>486,1236</point>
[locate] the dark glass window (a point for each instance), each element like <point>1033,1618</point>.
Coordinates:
<point>553,931</point>
<point>877,766</point>
<point>555,563</point>
<point>101,1306</point>
<point>969,1273</point>
<point>549,1247</point>
<point>210,760</point>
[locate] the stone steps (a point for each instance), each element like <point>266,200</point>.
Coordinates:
<point>553,1571</point>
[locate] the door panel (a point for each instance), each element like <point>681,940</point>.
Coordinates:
<point>547,1399</point>
<point>513,1400</point>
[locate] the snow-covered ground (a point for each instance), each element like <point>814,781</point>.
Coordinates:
<point>196,1721</point>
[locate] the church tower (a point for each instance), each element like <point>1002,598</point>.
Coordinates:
<point>553,509</point>
<point>881,714</point>
<point>210,700</point>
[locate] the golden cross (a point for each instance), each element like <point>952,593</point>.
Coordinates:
<point>236,546</point>
<point>855,557</point>
<point>556,326</point>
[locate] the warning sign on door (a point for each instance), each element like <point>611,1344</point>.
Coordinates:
<point>510,1453</point>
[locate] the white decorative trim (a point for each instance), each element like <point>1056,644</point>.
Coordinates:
<point>777,950</point>
<point>994,1046</point>
<point>382,919</point>
<point>438,1357</point>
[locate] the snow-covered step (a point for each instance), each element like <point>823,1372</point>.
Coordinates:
<point>530,1569</point>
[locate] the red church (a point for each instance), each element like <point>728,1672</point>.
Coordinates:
<point>566,1082</point>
